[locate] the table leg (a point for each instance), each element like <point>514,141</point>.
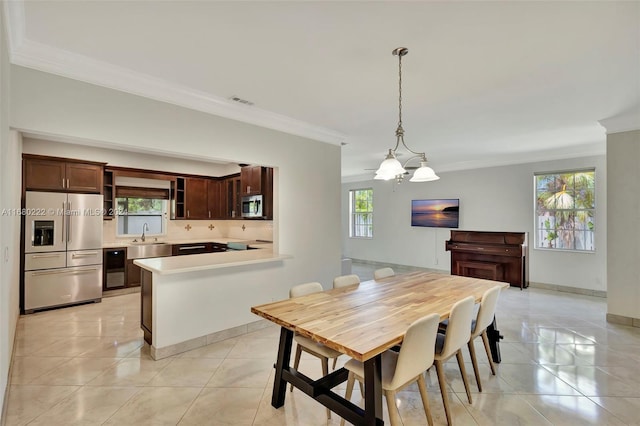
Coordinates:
<point>373,391</point>
<point>494,340</point>
<point>284,355</point>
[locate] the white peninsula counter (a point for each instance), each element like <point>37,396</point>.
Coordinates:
<point>192,301</point>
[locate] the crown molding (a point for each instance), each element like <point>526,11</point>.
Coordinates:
<point>626,121</point>
<point>42,57</point>
<point>15,24</point>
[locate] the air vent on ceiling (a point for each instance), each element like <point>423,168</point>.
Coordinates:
<point>240,100</point>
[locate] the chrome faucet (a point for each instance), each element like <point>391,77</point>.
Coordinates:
<point>146,225</point>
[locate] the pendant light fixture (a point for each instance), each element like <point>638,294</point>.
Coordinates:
<point>391,168</point>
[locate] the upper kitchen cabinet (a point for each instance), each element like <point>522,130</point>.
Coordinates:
<point>61,174</point>
<point>199,198</point>
<point>196,206</point>
<point>267,193</point>
<point>251,178</point>
<point>108,192</point>
<point>233,195</point>
<point>216,199</point>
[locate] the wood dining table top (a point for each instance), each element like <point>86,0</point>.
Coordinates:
<point>366,319</point>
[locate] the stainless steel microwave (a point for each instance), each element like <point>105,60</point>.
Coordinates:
<point>252,206</point>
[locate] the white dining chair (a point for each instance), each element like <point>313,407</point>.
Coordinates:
<point>479,326</point>
<point>379,274</point>
<point>450,343</point>
<point>306,344</point>
<point>400,369</point>
<point>346,280</point>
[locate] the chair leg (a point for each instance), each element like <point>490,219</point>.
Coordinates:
<point>443,390</point>
<point>347,395</point>
<point>425,398</point>
<point>325,372</point>
<point>463,372</point>
<point>335,361</point>
<point>394,415</point>
<point>474,361</point>
<point>485,340</point>
<point>296,361</point>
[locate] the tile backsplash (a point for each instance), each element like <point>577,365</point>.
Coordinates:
<point>205,229</point>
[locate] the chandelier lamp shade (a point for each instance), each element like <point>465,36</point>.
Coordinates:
<point>391,168</point>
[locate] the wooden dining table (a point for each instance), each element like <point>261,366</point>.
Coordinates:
<point>361,321</point>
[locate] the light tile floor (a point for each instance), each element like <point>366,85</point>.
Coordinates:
<point>562,364</point>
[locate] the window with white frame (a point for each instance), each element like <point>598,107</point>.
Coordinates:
<point>361,213</point>
<point>565,210</point>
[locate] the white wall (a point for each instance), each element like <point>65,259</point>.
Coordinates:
<point>310,231</point>
<point>491,199</point>
<point>623,158</point>
<point>10,172</point>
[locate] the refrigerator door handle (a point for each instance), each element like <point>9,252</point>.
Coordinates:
<point>45,256</point>
<point>63,219</point>
<point>69,224</point>
<point>64,271</point>
<point>85,254</point>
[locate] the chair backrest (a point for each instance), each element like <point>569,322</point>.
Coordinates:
<point>345,280</point>
<point>487,310</point>
<point>459,327</point>
<point>379,274</point>
<point>416,353</point>
<point>304,289</point>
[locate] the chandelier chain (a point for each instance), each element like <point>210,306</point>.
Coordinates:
<point>399,91</point>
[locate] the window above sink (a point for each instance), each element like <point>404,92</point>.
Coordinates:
<point>133,213</point>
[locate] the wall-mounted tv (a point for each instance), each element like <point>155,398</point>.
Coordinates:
<point>437,213</point>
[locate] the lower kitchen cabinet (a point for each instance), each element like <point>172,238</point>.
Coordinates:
<point>146,303</point>
<point>196,248</point>
<point>133,274</point>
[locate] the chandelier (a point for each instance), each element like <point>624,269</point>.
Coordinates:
<point>391,168</point>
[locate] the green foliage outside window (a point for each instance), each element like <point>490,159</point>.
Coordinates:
<point>139,206</point>
<point>361,211</point>
<point>133,214</point>
<point>565,210</point>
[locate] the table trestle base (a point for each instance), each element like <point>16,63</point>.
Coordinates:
<point>320,389</point>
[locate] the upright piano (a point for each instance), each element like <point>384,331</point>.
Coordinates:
<point>498,256</point>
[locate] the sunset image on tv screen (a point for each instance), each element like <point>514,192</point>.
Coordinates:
<point>435,213</point>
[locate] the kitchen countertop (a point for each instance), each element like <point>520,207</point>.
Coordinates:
<point>206,261</point>
<point>222,240</point>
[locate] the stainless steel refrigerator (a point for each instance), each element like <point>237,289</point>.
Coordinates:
<point>63,249</point>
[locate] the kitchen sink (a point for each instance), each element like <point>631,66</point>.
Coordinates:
<point>143,243</point>
<point>143,250</point>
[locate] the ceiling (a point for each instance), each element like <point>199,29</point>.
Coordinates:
<point>484,83</point>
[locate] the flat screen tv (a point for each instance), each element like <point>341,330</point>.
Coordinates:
<point>437,213</point>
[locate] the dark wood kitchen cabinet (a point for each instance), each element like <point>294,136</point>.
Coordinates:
<point>43,173</point>
<point>133,274</point>
<point>251,178</point>
<point>196,198</point>
<point>197,248</point>
<point>108,195</point>
<point>146,305</point>
<point>267,194</point>
<point>233,196</point>
<point>216,199</point>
